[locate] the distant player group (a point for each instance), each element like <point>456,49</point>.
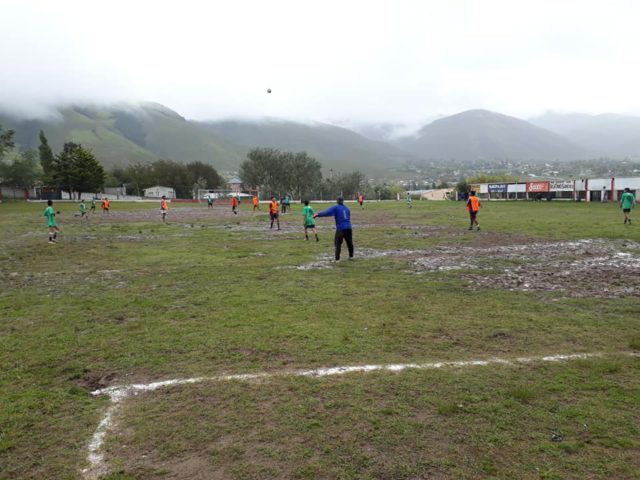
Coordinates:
<point>340,212</point>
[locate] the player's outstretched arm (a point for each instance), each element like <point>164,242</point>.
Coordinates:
<point>326,213</point>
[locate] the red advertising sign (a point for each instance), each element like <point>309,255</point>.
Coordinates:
<point>537,187</point>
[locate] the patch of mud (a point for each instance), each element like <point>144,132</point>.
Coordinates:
<point>583,268</point>
<point>424,227</point>
<point>614,275</point>
<point>326,260</point>
<point>60,282</point>
<point>263,227</point>
<point>494,239</point>
<point>137,238</point>
<point>96,380</point>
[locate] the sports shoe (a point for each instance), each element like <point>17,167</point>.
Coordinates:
<point>478,228</point>
<point>351,259</point>
<point>51,241</point>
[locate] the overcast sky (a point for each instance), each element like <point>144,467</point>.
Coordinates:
<point>346,60</point>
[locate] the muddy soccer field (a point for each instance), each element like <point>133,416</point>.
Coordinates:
<point>214,347</point>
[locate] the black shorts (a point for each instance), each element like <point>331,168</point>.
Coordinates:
<point>626,210</point>
<point>473,214</point>
<point>309,226</point>
<point>274,216</point>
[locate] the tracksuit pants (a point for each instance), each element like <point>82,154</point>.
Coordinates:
<point>346,235</point>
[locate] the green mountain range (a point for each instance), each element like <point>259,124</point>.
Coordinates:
<point>482,134</point>
<point>121,135</point>
<point>337,148</point>
<point>124,134</point>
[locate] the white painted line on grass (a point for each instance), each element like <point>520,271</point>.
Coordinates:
<point>117,394</point>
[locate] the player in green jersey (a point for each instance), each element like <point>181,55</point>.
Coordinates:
<point>627,202</point>
<point>51,222</point>
<point>409,200</point>
<point>309,221</point>
<point>93,205</point>
<point>83,210</point>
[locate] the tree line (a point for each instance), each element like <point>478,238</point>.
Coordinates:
<point>276,173</point>
<point>273,172</point>
<point>185,179</point>
<point>74,169</point>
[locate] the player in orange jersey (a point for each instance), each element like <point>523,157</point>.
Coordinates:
<point>273,212</point>
<point>473,206</point>
<point>234,205</point>
<point>164,208</point>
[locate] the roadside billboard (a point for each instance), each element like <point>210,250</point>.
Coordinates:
<point>561,186</point>
<point>537,187</point>
<point>497,188</point>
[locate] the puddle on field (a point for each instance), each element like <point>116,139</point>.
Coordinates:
<point>326,260</point>
<point>582,268</point>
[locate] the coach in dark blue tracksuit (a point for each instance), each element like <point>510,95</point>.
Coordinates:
<point>343,226</point>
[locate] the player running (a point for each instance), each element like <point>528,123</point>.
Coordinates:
<point>106,204</point>
<point>627,202</point>
<point>83,211</point>
<point>164,209</point>
<point>361,200</point>
<point>273,212</point>
<point>344,232</point>
<point>51,222</point>
<point>309,221</point>
<point>234,204</point>
<point>209,202</point>
<point>409,200</point>
<point>256,203</point>
<point>473,206</point>
<point>93,205</point>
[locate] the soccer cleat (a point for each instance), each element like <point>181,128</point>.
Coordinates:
<point>478,227</point>
<point>351,259</point>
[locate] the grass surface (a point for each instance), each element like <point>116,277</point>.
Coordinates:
<point>125,298</point>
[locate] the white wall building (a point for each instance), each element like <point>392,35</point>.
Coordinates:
<point>586,189</point>
<point>159,191</point>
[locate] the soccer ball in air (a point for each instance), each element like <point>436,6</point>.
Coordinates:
<point>268,90</point>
